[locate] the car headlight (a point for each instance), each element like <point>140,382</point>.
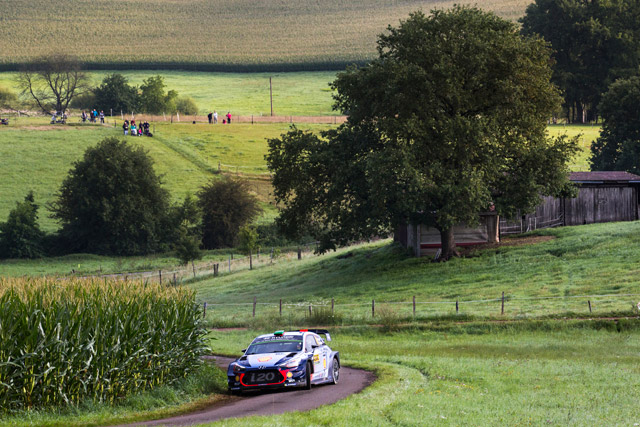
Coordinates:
<point>291,364</point>
<point>238,368</point>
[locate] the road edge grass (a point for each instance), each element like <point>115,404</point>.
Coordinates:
<point>204,388</point>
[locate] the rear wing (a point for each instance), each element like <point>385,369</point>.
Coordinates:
<point>321,332</point>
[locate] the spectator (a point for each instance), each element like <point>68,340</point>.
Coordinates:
<point>215,117</point>
<point>101,116</point>
<point>125,127</point>
<point>84,116</point>
<point>134,130</point>
<point>229,117</point>
<point>210,117</point>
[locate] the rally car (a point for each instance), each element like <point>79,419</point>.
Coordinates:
<point>285,359</point>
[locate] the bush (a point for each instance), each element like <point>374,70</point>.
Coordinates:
<point>69,341</point>
<point>116,93</point>
<point>112,202</point>
<point>226,206</point>
<point>86,101</point>
<point>186,105</point>
<point>20,236</point>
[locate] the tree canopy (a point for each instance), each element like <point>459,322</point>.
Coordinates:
<point>448,121</point>
<point>112,202</point>
<point>20,235</point>
<point>618,147</point>
<point>115,93</point>
<point>594,43</point>
<point>226,206</point>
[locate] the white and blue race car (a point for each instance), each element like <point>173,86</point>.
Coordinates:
<point>285,359</point>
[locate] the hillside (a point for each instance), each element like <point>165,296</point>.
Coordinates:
<point>549,273</point>
<point>223,35</point>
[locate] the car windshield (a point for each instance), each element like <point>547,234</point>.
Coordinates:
<point>275,346</point>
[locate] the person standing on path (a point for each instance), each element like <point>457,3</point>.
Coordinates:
<point>215,117</point>
<point>229,117</point>
<point>210,117</point>
<point>125,127</point>
<point>101,116</point>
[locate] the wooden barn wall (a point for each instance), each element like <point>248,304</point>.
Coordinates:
<point>601,204</point>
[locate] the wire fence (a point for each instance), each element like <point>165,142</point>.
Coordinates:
<point>234,263</point>
<point>502,307</point>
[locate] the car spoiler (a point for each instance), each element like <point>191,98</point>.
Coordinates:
<point>321,332</point>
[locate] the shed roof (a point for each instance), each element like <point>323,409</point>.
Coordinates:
<point>604,176</point>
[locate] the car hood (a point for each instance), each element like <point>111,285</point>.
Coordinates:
<point>265,359</point>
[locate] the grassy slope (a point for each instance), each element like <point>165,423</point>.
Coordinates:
<point>37,157</point>
<point>558,374</point>
<point>225,33</point>
<point>585,260</point>
<point>298,94</point>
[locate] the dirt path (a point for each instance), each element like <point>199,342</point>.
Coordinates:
<point>272,402</point>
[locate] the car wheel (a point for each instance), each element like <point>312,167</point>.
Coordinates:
<point>307,376</point>
<point>335,370</point>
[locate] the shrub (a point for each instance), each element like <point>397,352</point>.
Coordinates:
<point>247,239</point>
<point>116,93</point>
<point>20,236</point>
<point>226,206</point>
<point>93,340</point>
<point>186,105</point>
<point>112,202</point>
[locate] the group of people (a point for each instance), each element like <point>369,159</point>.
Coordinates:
<point>141,129</point>
<point>213,118</point>
<point>93,116</point>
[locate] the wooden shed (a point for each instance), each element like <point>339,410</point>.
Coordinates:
<point>602,197</point>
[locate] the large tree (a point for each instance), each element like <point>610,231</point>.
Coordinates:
<point>52,82</point>
<point>449,121</point>
<point>594,43</point>
<point>618,147</point>
<point>115,93</point>
<point>112,202</point>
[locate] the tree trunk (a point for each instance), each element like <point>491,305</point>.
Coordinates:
<point>448,244</point>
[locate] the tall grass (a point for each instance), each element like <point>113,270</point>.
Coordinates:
<point>63,342</point>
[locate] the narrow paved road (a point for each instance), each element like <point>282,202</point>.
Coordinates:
<point>272,402</point>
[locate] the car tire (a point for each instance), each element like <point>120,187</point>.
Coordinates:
<point>335,370</point>
<point>307,376</point>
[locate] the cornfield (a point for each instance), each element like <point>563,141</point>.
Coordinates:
<point>65,341</point>
<point>210,35</point>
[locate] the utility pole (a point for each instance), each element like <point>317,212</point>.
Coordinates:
<point>271,95</point>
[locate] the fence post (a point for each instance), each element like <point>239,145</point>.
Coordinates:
<point>299,253</point>
<point>271,255</point>
<point>250,260</point>
<point>332,303</point>
<point>414,305</point>
<point>219,167</point>
<point>456,306</point>
<point>280,306</point>
<point>175,281</point>
<point>215,269</point>
<point>193,266</point>
<point>373,308</point>
<point>160,275</point>
<point>309,310</point>
<point>589,302</point>
<point>255,299</point>
<point>502,310</point>
<point>204,310</point>
<point>229,263</point>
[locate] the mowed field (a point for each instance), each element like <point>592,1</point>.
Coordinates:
<point>222,35</point>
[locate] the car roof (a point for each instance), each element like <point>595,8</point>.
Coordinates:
<point>293,334</point>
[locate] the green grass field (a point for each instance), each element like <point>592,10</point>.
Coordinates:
<point>223,35</point>
<point>552,373</point>
<point>556,275</point>
<point>38,156</point>
<point>298,94</point>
